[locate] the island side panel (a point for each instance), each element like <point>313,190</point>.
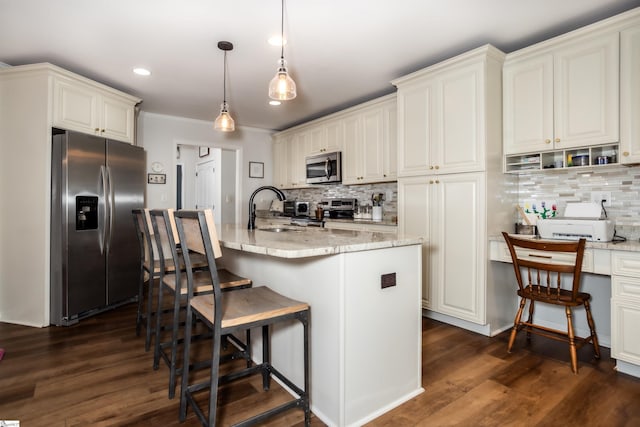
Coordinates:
<point>383,331</point>
<point>317,281</point>
<point>365,340</point>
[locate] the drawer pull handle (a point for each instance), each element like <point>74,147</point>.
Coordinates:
<point>540,256</point>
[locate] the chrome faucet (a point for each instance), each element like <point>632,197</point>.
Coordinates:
<point>252,206</point>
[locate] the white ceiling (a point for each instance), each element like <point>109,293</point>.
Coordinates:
<point>340,52</point>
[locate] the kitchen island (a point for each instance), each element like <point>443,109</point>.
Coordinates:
<point>364,289</point>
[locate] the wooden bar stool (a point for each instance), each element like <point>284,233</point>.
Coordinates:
<point>232,312</point>
<point>539,279</point>
<point>175,283</point>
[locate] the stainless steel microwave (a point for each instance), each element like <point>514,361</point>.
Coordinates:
<point>325,168</point>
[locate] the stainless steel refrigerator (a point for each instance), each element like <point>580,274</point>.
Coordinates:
<point>95,256</point>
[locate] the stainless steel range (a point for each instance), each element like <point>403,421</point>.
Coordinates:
<point>339,208</point>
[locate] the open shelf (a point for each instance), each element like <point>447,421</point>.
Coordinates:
<point>595,156</point>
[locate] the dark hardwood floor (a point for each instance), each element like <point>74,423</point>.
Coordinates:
<point>97,373</point>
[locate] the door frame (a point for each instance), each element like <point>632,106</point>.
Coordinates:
<point>223,146</point>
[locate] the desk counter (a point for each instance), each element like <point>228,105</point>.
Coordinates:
<point>613,280</point>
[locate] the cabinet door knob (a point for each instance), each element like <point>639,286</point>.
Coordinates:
<point>102,130</point>
<point>557,140</point>
<point>626,153</point>
<point>430,167</point>
<point>547,141</point>
<point>437,181</point>
<point>437,167</point>
<point>431,182</point>
<point>97,129</point>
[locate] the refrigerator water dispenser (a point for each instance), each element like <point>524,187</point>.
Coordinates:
<point>87,215</point>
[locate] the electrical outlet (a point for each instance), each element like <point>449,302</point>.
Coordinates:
<point>599,196</point>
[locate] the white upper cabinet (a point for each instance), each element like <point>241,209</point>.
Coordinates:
<point>364,134</point>
<point>390,142</point>
<point>351,161</point>
<point>335,136</point>
<point>363,156</point>
<point>528,104</point>
<point>326,137</point>
<point>281,163</point>
<point>415,124</point>
<point>89,109</point>
<point>630,95</point>
<point>299,147</point>
<point>442,114</point>
<point>562,96</point>
<point>370,143</point>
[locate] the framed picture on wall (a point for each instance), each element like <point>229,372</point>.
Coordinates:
<point>203,151</point>
<point>256,170</point>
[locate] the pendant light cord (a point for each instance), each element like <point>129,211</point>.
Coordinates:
<point>224,80</point>
<point>282,30</point>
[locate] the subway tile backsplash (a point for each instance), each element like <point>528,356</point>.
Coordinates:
<point>561,186</point>
<point>361,192</point>
<point>576,185</point>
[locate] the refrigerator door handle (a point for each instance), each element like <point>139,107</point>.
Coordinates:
<point>103,237</point>
<point>109,206</point>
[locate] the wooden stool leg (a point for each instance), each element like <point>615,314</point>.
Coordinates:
<point>572,342</point>
<point>530,320</point>
<point>516,324</point>
<point>592,328</point>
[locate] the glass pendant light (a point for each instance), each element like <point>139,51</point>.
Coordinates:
<point>282,87</point>
<point>224,122</point>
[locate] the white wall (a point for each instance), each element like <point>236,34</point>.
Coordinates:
<point>228,187</point>
<point>160,135</point>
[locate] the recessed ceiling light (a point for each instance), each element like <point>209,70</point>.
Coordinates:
<point>277,41</point>
<point>142,71</point>
<point>274,102</point>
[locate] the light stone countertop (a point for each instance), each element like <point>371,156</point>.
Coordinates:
<point>302,242</point>
<point>629,245</point>
<point>362,221</point>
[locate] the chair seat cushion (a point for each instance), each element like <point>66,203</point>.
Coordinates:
<point>539,293</point>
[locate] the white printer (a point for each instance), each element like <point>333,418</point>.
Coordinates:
<point>579,220</point>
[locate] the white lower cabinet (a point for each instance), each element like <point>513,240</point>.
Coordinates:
<point>448,211</point>
<point>625,307</point>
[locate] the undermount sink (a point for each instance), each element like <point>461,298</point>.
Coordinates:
<point>278,229</point>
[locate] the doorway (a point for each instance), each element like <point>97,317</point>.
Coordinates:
<point>210,181</point>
